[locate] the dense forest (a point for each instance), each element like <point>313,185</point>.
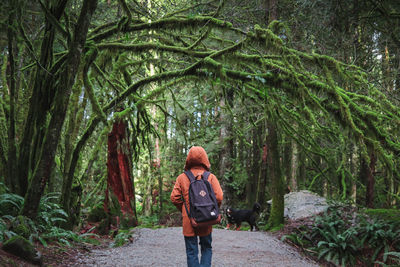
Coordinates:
<point>101,101</point>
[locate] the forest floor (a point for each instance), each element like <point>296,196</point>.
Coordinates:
<point>165,247</point>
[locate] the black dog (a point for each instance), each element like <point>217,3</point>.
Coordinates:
<point>239,216</point>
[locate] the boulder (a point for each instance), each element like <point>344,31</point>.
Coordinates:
<point>21,247</point>
<point>303,204</point>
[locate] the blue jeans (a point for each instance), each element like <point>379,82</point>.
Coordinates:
<point>192,251</point>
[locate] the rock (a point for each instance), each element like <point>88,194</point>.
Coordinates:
<point>20,226</point>
<point>303,204</point>
<point>21,247</point>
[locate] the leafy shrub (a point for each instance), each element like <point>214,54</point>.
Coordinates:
<point>338,244</point>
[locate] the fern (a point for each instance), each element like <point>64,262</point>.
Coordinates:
<point>3,188</point>
<point>10,204</point>
<point>338,242</point>
<point>300,237</point>
<point>44,228</point>
<point>338,248</point>
<point>123,237</point>
<point>149,221</point>
<point>50,213</point>
<point>381,236</point>
<point>394,256</point>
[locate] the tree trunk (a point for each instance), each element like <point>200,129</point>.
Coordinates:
<point>59,107</point>
<point>75,116</point>
<point>353,194</point>
<point>119,181</point>
<point>287,163</point>
<point>293,175</point>
<point>274,169</point>
<point>44,87</point>
<point>367,175</point>
<point>12,149</point>
<point>226,153</point>
<point>251,188</point>
<point>369,198</point>
<point>271,10</point>
<point>302,161</point>
<point>263,176</point>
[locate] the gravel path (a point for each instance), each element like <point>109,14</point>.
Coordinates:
<point>165,247</point>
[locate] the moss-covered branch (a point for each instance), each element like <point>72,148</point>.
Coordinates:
<point>141,47</point>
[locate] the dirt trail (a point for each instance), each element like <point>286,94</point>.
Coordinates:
<point>165,247</point>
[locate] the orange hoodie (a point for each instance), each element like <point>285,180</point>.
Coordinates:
<point>197,162</point>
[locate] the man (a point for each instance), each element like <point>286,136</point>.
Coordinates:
<point>197,162</point>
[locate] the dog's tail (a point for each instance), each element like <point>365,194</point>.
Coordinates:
<point>256,207</point>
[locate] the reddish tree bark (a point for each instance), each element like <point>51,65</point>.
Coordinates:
<point>119,180</point>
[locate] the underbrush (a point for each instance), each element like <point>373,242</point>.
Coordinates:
<point>44,229</point>
<point>345,236</point>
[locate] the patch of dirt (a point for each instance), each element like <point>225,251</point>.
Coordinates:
<point>54,254</point>
<point>291,226</point>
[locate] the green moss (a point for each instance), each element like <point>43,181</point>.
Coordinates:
<point>97,214</point>
<point>22,230</point>
<point>20,226</point>
<point>392,215</point>
<point>275,228</point>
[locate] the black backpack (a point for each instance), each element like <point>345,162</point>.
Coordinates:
<point>204,209</point>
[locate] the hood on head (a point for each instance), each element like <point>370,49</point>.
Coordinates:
<point>197,156</point>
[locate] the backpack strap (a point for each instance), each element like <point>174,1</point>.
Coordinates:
<point>190,175</point>
<point>205,175</point>
<point>191,178</point>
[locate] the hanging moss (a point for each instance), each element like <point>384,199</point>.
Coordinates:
<point>317,91</point>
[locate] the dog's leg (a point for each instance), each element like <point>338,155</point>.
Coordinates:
<point>228,226</point>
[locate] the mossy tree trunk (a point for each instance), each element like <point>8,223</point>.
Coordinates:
<point>276,218</point>
<point>11,82</point>
<point>60,85</point>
